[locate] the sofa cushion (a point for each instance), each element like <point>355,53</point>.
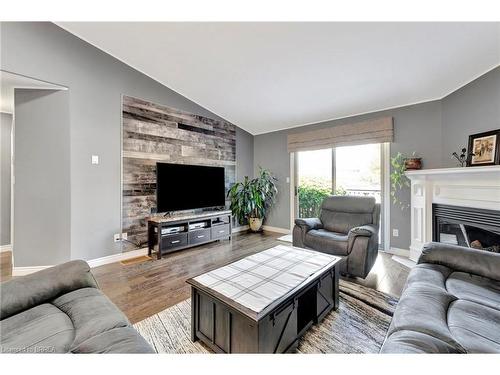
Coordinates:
<point>342,213</point>
<point>91,312</point>
<point>326,241</point>
<point>343,222</point>
<point>475,326</point>
<point>23,293</point>
<point>413,342</point>
<point>474,288</point>
<point>117,340</point>
<point>41,329</point>
<point>444,311</point>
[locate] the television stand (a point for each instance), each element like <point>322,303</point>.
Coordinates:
<point>171,233</point>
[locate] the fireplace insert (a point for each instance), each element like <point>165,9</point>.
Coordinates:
<point>465,226</point>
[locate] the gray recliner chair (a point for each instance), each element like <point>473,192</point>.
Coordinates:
<point>347,227</point>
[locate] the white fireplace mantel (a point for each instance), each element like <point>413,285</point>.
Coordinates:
<point>477,187</point>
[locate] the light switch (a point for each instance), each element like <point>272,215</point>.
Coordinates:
<point>395,232</point>
<point>288,180</point>
<point>95,159</point>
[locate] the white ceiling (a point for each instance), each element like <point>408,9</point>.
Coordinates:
<point>269,76</point>
<point>10,81</point>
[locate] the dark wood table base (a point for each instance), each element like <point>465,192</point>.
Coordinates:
<point>226,329</point>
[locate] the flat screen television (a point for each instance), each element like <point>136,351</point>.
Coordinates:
<point>187,187</point>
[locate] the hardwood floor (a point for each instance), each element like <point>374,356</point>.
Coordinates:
<point>5,265</point>
<point>143,289</point>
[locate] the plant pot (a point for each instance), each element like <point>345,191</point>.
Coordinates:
<point>413,163</point>
<point>255,223</point>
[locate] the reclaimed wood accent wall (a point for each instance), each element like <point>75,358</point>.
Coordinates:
<point>153,133</point>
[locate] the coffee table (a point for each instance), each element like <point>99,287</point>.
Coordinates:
<point>265,302</point>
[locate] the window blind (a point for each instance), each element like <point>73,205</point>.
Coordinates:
<point>364,132</point>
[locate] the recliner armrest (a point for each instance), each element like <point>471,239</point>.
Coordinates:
<point>309,223</point>
<point>28,291</point>
<point>464,259</point>
<point>364,230</point>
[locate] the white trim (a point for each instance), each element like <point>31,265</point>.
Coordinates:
<point>5,248</point>
<point>404,261</point>
<point>117,257</point>
<point>455,171</point>
<point>398,251</point>
<point>386,195</point>
<point>276,229</point>
<point>240,229</point>
<point>23,271</point>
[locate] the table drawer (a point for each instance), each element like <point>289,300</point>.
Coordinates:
<point>174,240</point>
<point>220,231</point>
<point>199,236</point>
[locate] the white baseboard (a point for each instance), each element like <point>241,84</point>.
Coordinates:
<point>407,262</point>
<point>4,248</point>
<point>22,271</point>
<point>243,228</point>
<point>117,257</point>
<point>398,251</point>
<point>276,229</point>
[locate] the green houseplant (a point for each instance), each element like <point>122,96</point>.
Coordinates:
<point>399,181</point>
<point>251,199</point>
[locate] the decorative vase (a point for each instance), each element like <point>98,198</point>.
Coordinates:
<point>255,223</point>
<point>413,163</point>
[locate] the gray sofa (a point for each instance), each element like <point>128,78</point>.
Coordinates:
<point>61,310</point>
<point>347,227</point>
<point>451,304</point>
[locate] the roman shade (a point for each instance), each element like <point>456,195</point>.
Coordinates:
<point>370,131</point>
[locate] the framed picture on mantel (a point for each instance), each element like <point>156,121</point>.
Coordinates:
<point>484,148</point>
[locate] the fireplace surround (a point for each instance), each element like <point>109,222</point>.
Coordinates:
<point>466,226</point>
<point>477,189</point>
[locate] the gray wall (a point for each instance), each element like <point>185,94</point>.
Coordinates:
<point>96,82</point>
<point>244,154</point>
<point>472,109</point>
<point>416,128</point>
<point>5,149</point>
<point>433,130</point>
<point>42,178</point>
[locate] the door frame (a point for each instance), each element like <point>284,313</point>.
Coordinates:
<point>385,212</point>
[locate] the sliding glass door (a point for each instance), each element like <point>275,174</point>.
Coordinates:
<point>315,181</point>
<point>349,170</point>
<point>358,170</point>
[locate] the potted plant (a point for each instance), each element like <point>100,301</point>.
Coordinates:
<point>250,199</point>
<point>399,181</point>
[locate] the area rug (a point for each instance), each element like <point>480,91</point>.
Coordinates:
<point>358,326</point>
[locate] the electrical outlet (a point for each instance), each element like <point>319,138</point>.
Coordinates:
<point>116,237</point>
<point>124,236</point>
<point>395,233</point>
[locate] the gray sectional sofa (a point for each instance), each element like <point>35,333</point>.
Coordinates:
<point>61,310</point>
<point>451,304</point>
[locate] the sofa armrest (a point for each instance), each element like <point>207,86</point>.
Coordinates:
<point>28,291</point>
<point>309,223</point>
<point>363,230</point>
<point>464,259</point>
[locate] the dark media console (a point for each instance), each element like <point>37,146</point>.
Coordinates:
<point>177,232</point>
